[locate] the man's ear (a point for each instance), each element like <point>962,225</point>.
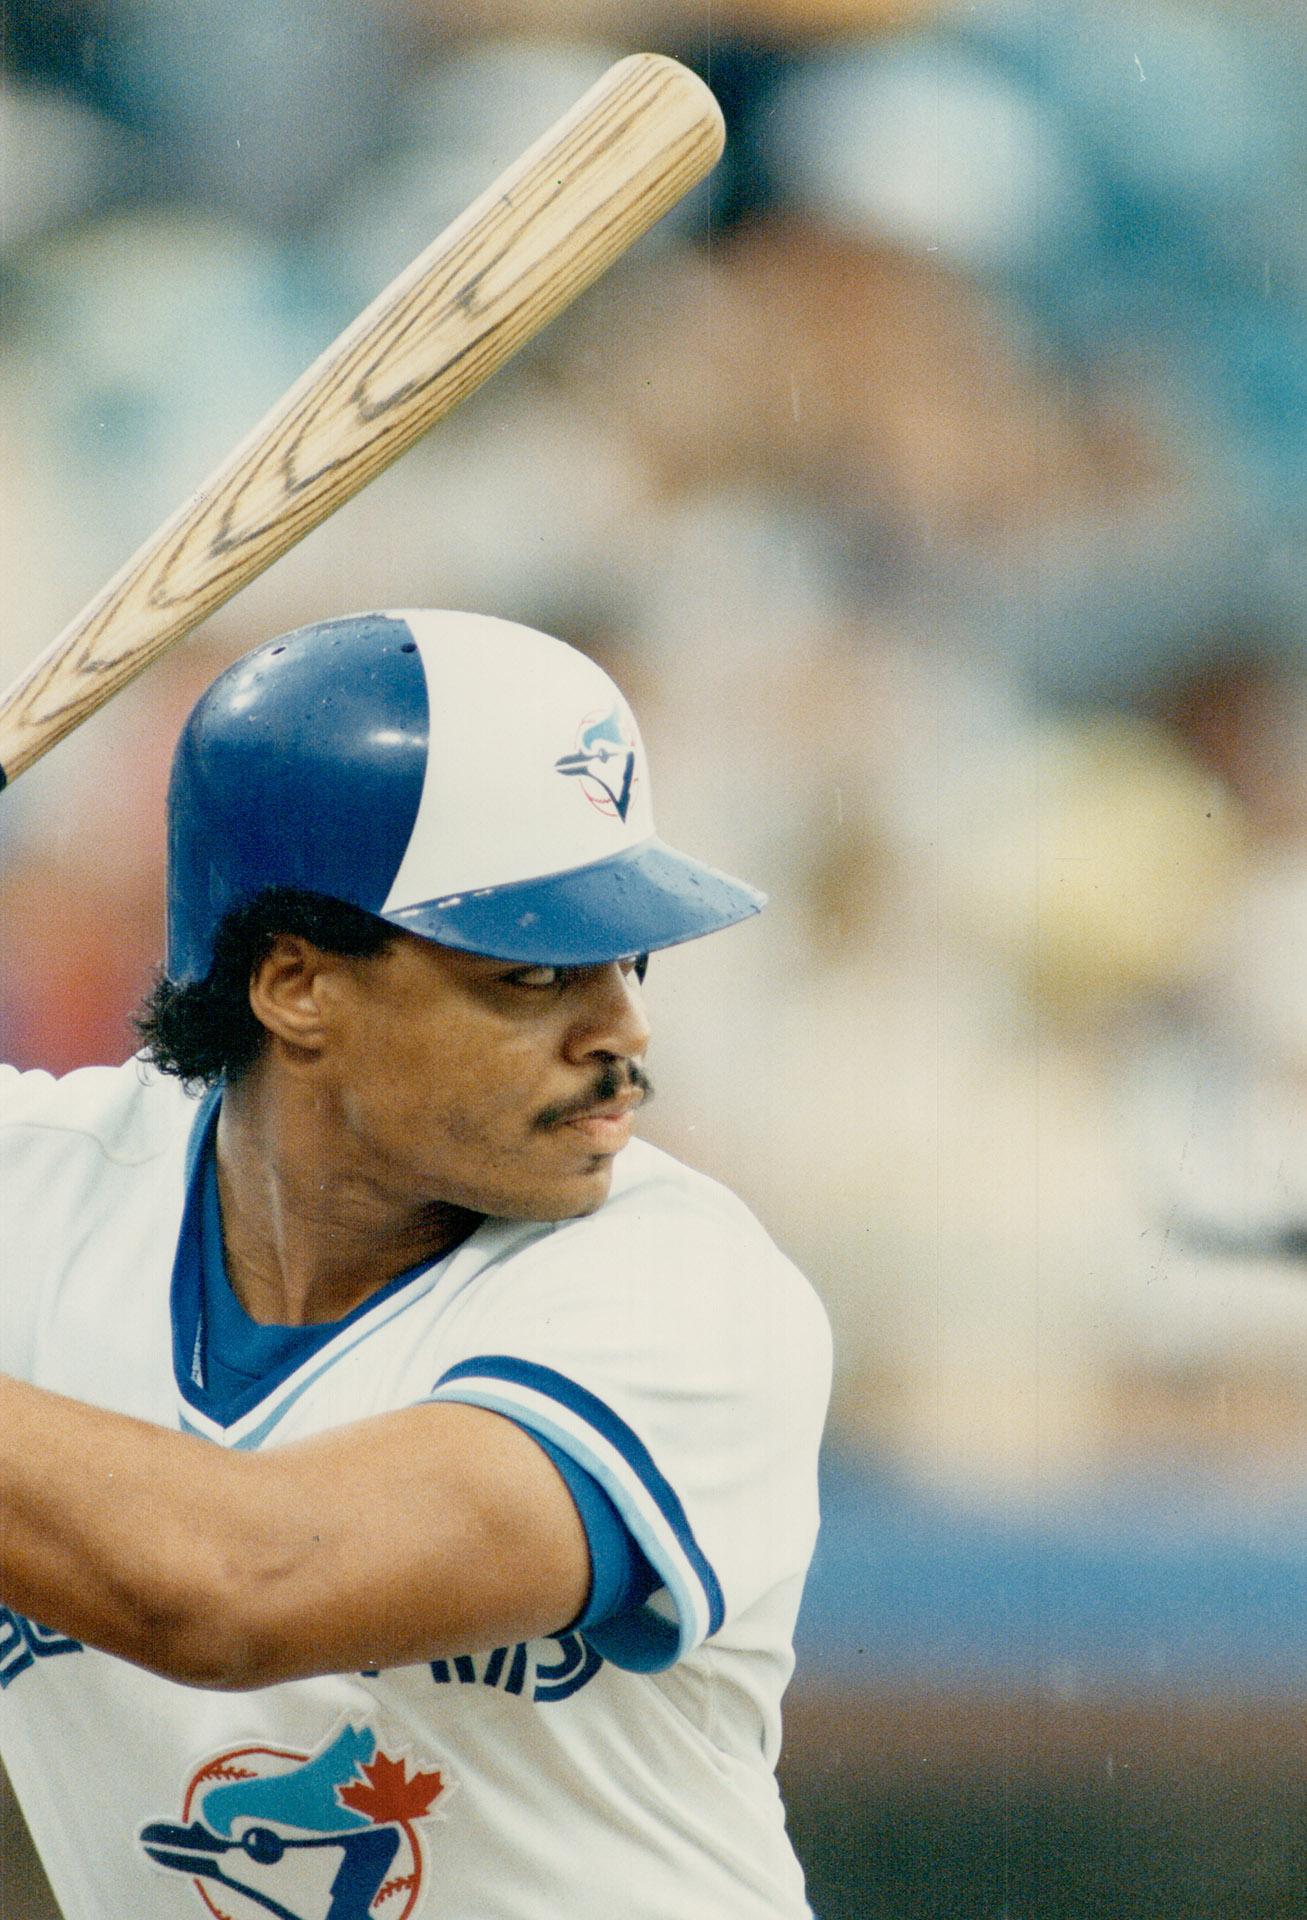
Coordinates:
<point>287,994</point>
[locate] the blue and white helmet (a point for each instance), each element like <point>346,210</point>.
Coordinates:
<point>465,778</point>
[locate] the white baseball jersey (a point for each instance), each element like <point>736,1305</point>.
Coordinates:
<point>662,1343</point>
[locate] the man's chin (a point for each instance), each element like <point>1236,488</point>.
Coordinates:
<point>569,1200</point>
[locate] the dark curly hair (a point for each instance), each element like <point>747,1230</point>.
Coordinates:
<point>206,1030</point>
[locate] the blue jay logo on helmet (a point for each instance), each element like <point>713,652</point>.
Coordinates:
<point>334,1835</point>
<point>604,762</point>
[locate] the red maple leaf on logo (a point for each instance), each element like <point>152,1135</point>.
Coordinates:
<point>391,1792</point>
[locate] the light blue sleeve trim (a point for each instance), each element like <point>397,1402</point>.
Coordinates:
<point>596,1414</point>
<point>643,1640</point>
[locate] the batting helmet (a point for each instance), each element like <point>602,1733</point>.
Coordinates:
<point>464,778</point>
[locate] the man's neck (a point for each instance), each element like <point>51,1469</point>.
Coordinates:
<point>307,1236</point>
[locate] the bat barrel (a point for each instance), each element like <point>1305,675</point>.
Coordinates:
<point>646,133</point>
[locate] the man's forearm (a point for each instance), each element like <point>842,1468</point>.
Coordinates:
<point>430,1531</point>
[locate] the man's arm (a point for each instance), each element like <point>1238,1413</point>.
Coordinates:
<point>433,1531</point>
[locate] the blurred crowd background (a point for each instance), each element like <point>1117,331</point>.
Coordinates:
<point>935,482</point>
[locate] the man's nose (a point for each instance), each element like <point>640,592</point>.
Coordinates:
<point>611,1020</point>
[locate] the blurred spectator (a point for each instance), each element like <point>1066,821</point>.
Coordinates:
<point>140,380</point>
<point>1127,181</point>
<point>253,108</point>
<point>58,161</point>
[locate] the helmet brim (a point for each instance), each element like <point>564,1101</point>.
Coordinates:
<point>643,899</point>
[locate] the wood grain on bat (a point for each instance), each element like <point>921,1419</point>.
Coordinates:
<point>539,236</point>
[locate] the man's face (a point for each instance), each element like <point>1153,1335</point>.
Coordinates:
<point>487,1084</point>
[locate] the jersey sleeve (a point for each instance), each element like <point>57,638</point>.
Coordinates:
<point>667,1348</point>
<point>77,1155</point>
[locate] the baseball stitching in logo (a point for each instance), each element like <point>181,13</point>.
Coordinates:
<point>335,1835</point>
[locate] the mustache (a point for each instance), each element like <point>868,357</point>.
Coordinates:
<point>614,1080</point>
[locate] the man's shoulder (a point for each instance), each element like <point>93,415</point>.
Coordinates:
<point>125,1114</point>
<point>651,1183</point>
<point>672,1288</point>
<point>682,1229</point>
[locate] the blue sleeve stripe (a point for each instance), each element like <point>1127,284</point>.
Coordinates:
<point>691,1622</point>
<point>618,1459</point>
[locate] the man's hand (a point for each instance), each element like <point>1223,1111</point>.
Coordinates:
<point>438,1530</point>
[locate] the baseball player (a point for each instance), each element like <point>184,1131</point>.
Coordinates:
<point>408,1478</point>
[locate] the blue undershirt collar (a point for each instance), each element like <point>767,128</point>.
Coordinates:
<point>227,1362</point>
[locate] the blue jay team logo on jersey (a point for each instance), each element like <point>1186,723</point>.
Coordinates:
<point>335,1835</point>
<point>604,762</point>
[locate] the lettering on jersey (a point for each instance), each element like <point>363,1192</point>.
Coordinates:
<point>604,762</point>
<point>23,1642</point>
<point>506,1668</point>
<point>333,1835</point>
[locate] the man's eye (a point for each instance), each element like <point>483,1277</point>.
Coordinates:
<point>536,977</point>
<point>545,976</point>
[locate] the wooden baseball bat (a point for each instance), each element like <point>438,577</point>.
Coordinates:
<point>629,149</point>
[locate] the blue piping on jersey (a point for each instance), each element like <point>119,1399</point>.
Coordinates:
<point>255,1436</point>
<point>646,1642</point>
<point>597,1415</point>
